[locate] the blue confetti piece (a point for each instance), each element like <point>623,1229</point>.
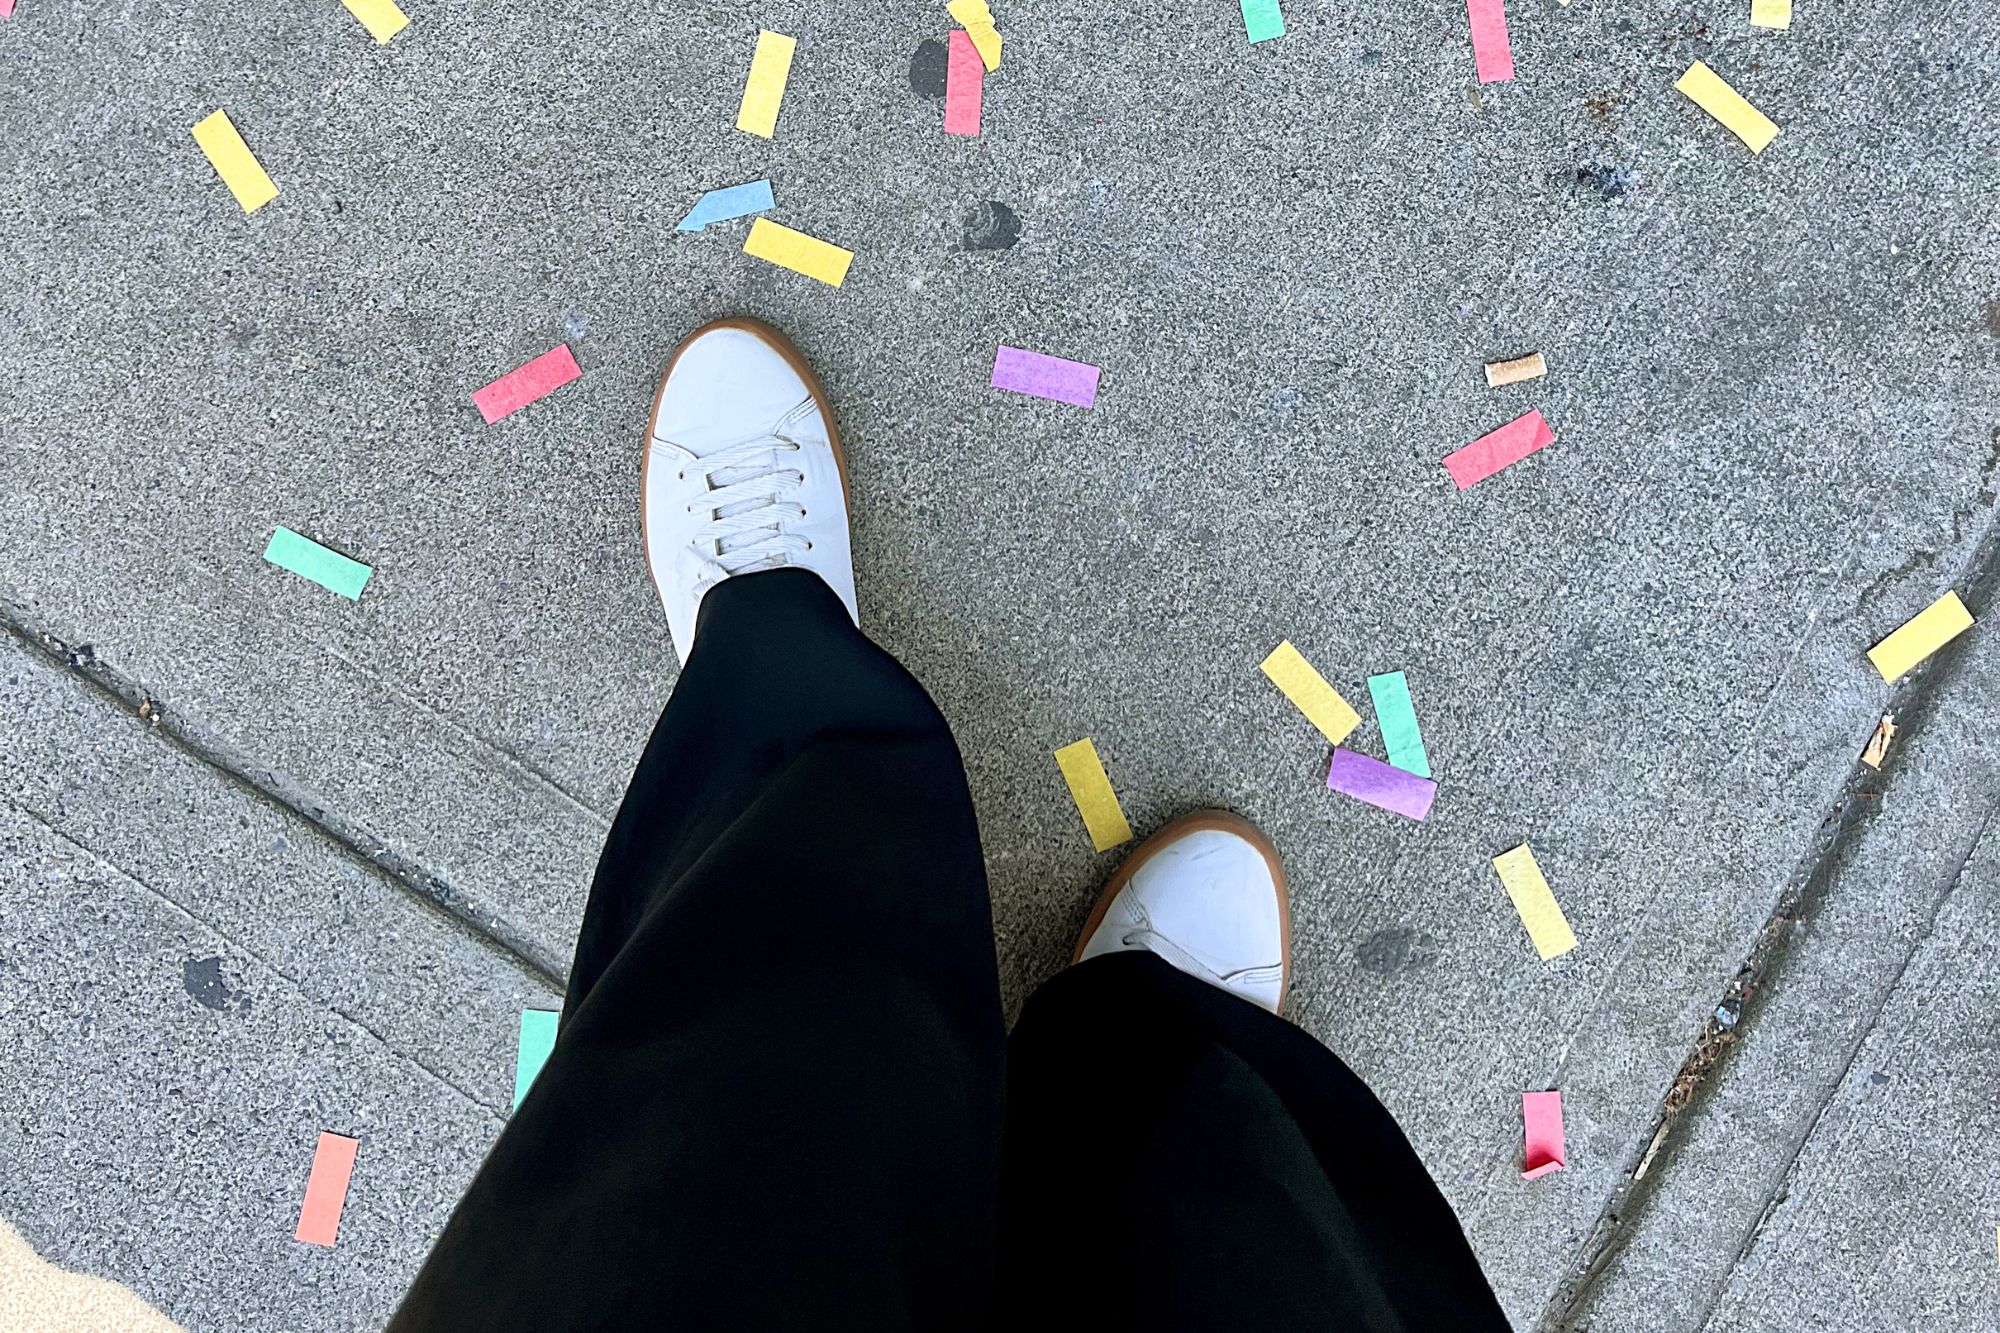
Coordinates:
<point>737,201</point>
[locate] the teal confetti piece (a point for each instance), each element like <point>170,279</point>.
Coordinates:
<point>1397,716</point>
<point>538,1039</point>
<point>309,560</point>
<point>1262,20</point>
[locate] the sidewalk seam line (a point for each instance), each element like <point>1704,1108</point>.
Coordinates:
<point>426,888</point>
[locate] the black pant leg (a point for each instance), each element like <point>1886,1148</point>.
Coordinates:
<point>775,1101</point>
<point>1177,1158</point>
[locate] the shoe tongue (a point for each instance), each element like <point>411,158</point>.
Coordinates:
<point>704,437</point>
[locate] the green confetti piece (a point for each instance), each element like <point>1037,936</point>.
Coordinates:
<point>309,560</point>
<point>538,1038</point>
<point>1262,20</point>
<point>1397,717</point>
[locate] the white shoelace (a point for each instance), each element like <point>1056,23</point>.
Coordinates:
<point>749,504</point>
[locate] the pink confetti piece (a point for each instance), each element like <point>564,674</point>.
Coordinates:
<point>1041,376</point>
<point>1380,785</point>
<point>965,76</point>
<point>6,9</point>
<point>326,1189</point>
<point>1542,1118</point>
<point>1491,55</point>
<point>517,388</point>
<point>1497,449</point>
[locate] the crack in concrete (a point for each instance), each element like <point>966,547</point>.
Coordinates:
<point>1927,559</point>
<point>1812,882</point>
<point>429,890</point>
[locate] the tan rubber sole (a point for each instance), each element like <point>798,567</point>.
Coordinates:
<point>778,343</point>
<point>1186,824</point>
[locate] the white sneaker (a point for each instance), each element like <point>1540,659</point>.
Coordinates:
<point>1206,893</point>
<point>743,472</point>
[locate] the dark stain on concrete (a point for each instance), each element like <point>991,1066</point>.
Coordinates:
<point>992,226</point>
<point>1398,949</point>
<point>202,978</point>
<point>1607,181</point>
<point>1990,315</point>
<point>927,68</point>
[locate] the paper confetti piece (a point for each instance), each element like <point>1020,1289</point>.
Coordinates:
<point>6,9</point>
<point>1547,926</point>
<point>1707,90</point>
<point>309,560</point>
<point>381,17</point>
<point>1091,790</point>
<point>1529,367</point>
<point>798,252</point>
<point>1262,21</point>
<point>1771,13</point>
<point>1878,744</point>
<point>1396,714</point>
<point>1387,788</point>
<point>326,1189</point>
<point>1542,1133</point>
<point>978,21</point>
<point>769,69</point>
<point>517,388</point>
<point>1038,376</point>
<point>538,1039</point>
<point>1310,693</point>
<point>1920,636</point>
<point>964,75</point>
<point>1492,57</point>
<point>734,202</point>
<point>1497,449</point>
<point>234,162</point>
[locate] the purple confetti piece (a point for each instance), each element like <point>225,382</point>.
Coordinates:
<point>1377,783</point>
<point>1045,376</point>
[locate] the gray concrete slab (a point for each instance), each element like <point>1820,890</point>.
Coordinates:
<point>1888,1218</point>
<point>1834,1175</point>
<point>1772,382</point>
<point>193,985</point>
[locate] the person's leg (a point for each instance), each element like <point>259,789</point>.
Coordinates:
<point>776,1098</point>
<point>1179,1157</point>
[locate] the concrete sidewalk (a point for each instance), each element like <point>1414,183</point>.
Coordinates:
<point>1775,384</point>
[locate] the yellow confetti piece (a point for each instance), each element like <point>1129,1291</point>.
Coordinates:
<point>381,17</point>
<point>1920,636</point>
<point>234,162</point>
<point>1707,90</point>
<point>1310,693</point>
<point>1547,926</point>
<point>798,252</point>
<point>977,20</point>
<point>1771,13</point>
<point>769,69</point>
<point>1091,790</point>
